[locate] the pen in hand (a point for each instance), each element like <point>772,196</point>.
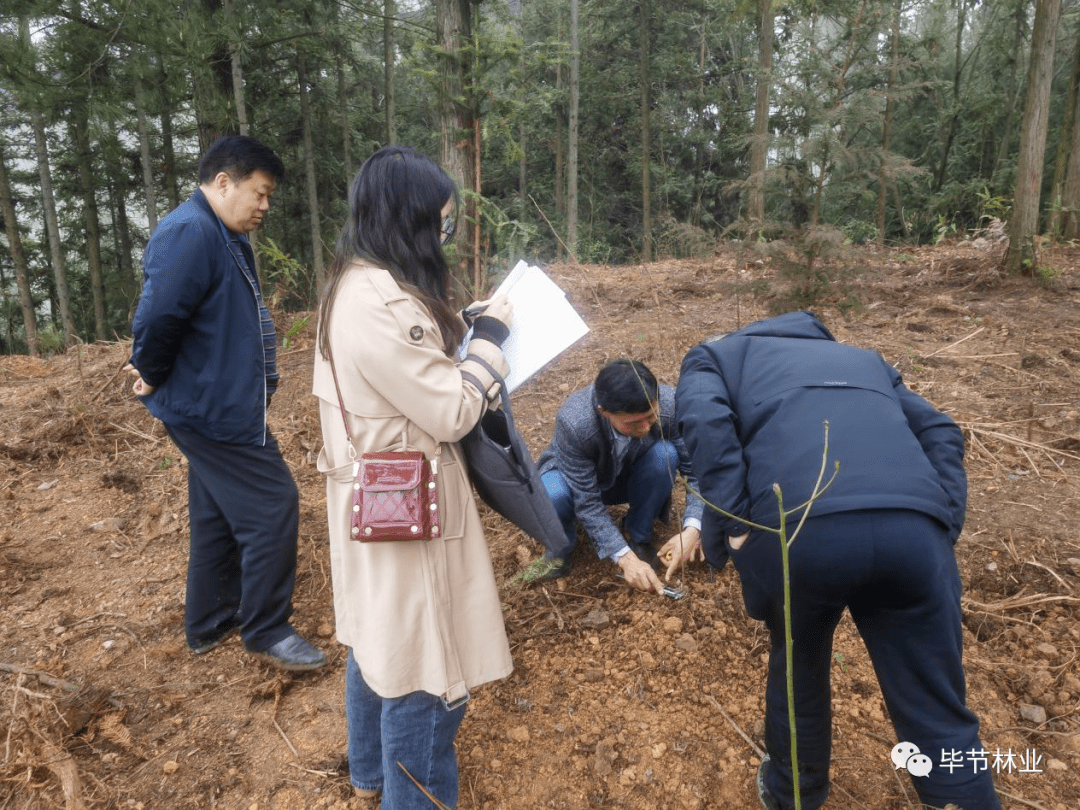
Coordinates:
<point>471,313</point>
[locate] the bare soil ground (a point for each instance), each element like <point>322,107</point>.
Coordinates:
<point>618,699</point>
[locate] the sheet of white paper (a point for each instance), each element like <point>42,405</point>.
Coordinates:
<point>512,278</point>
<point>544,325</point>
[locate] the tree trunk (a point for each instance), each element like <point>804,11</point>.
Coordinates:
<point>144,153</point>
<point>346,126</point>
<point>130,280</point>
<point>309,172</point>
<point>954,117</point>
<point>1010,91</point>
<point>236,74</point>
<point>759,144</point>
<point>1021,256</point>
<point>52,226</point>
<point>453,22</point>
<point>1070,192</point>
<point>699,154</point>
<point>560,144</point>
<point>1059,215</point>
<point>22,275</point>
<point>212,82</point>
<point>572,136</point>
<point>646,131</point>
<point>886,128</point>
<point>523,162</point>
<point>84,156</point>
<point>389,10</point>
<point>236,80</point>
<point>523,166</point>
<point>172,184</point>
<point>478,279</point>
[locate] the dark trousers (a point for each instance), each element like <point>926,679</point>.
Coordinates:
<point>244,510</point>
<point>645,485</point>
<point>896,572</point>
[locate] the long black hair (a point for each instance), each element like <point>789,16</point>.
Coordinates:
<point>395,222</point>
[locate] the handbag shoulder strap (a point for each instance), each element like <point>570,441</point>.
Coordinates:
<point>490,370</point>
<point>341,402</point>
<point>345,418</point>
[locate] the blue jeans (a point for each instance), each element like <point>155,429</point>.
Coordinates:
<point>896,573</point>
<point>244,513</point>
<point>645,485</point>
<point>415,730</point>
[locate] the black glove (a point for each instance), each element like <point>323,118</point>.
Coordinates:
<point>491,329</point>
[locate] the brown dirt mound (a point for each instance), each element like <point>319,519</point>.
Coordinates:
<point>618,699</point>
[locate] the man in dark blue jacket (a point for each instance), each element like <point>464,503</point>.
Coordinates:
<point>204,361</point>
<point>879,541</point>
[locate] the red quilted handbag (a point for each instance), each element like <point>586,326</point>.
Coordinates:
<point>395,497</point>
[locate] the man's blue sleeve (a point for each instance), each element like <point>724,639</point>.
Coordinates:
<point>708,426</point>
<point>943,443</point>
<point>176,276</point>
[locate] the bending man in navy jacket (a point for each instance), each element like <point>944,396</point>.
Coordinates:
<point>204,361</point>
<point>751,406</point>
<point>616,442</point>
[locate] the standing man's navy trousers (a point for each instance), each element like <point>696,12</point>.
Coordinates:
<point>244,512</point>
<point>896,572</point>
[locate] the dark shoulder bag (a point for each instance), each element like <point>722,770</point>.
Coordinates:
<point>503,471</point>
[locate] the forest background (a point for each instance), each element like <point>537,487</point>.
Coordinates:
<point>604,131</point>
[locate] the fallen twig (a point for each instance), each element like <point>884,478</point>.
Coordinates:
<point>1052,573</point>
<point>1005,437</point>
<point>134,432</point>
<point>757,749</point>
<point>309,770</point>
<point>63,766</point>
<point>11,725</point>
<point>48,680</point>
<point>1014,603</point>
<point>285,737</point>
<point>107,384</point>
<point>425,791</point>
<point>558,613</point>
<point>955,343</point>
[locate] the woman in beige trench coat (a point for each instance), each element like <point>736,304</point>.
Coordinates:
<point>422,620</point>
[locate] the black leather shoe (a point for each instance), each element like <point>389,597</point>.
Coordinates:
<point>292,653</point>
<point>213,639</point>
<point>767,800</point>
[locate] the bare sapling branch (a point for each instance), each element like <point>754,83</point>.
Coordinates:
<point>785,545</point>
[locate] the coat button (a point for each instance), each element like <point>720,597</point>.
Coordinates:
<point>417,333</point>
